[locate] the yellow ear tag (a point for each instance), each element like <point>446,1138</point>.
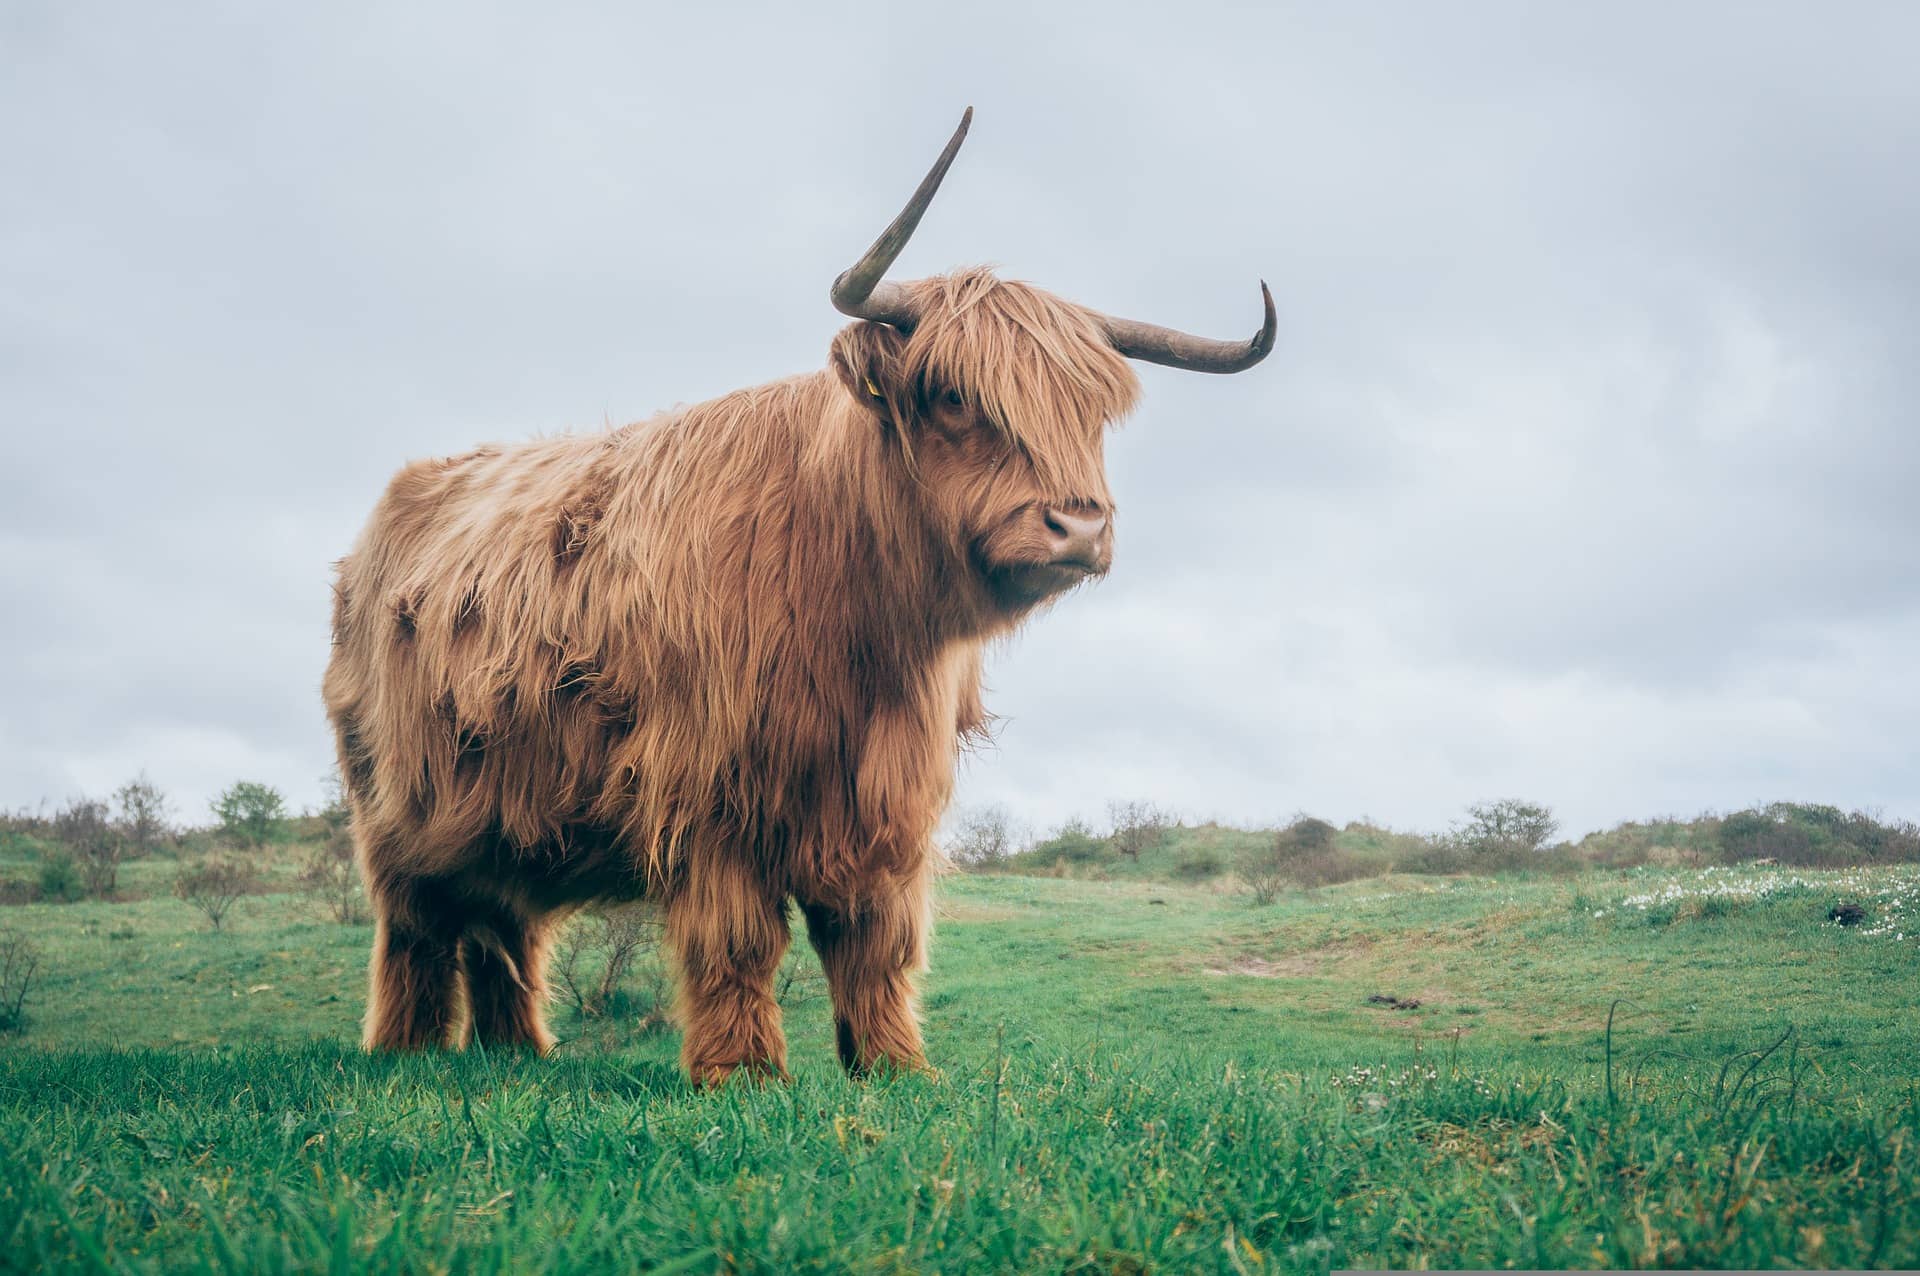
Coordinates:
<point>873,389</point>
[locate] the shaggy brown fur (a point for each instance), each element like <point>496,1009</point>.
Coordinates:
<point>723,658</point>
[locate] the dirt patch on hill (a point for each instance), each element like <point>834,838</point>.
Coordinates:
<point>1300,965</point>
<point>956,912</point>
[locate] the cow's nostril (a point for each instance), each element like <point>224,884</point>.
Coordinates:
<point>1078,538</point>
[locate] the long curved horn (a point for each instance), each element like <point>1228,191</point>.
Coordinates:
<point>859,291</point>
<point>1176,349</point>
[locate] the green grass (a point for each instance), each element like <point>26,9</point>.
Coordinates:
<point>1135,1076</point>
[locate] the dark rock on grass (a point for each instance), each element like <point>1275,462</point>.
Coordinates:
<point>1393,1003</point>
<point>1847,914</point>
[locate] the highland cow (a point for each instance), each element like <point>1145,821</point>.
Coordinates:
<point>722,659</point>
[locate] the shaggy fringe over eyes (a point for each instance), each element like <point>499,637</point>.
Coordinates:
<point>1040,367</point>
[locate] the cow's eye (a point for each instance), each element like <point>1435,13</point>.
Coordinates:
<point>953,400</point>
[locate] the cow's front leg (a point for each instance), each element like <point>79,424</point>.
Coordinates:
<point>729,935</point>
<point>414,987</point>
<point>871,954</point>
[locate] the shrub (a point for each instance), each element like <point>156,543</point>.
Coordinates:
<point>1072,843</point>
<point>1326,867</point>
<point>330,876</point>
<point>1199,864</point>
<point>141,814</point>
<point>1879,842</point>
<point>1765,833</point>
<point>982,838</point>
<point>1137,827</point>
<point>331,879</point>
<point>96,846</point>
<point>599,949</point>
<point>1310,857</point>
<point>60,880</point>
<point>1509,833</point>
<point>213,887</point>
<point>249,813</point>
<point>1260,871</point>
<point>1440,856</point>
<point>1303,854</point>
<point>19,963</point>
<point>1306,833</point>
<point>1811,835</point>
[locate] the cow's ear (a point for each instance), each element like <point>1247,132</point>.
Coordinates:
<point>867,358</point>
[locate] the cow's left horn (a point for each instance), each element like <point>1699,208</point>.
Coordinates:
<point>860,291</point>
<point>1176,349</point>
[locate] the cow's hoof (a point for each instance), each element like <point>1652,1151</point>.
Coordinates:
<point>889,1069</point>
<point>711,1076</point>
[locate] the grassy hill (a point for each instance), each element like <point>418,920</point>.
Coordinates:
<point>1136,1074</point>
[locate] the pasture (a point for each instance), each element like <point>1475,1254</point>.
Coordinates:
<point>1135,1075</point>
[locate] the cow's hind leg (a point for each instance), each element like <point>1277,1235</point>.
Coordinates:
<point>414,989</point>
<point>729,935</point>
<point>871,955</point>
<point>505,960</point>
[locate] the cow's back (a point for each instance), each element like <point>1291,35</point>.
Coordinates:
<point>458,645</point>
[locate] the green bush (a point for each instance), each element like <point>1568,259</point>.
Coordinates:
<point>214,887</point>
<point>1508,834</point>
<point>61,881</point>
<point>1307,834</point>
<point>1305,855</point>
<point>1137,827</point>
<point>1436,856</point>
<point>1880,843</point>
<point>142,813</point>
<point>1199,864</point>
<point>92,843</point>
<point>1812,835</point>
<point>1073,843</point>
<point>250,813</point>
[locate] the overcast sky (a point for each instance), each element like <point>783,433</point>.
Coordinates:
<point>1584,470</point>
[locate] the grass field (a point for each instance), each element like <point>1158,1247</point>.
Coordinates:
<point>1135,1076</point>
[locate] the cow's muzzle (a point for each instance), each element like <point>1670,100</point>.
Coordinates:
<point>1078,540</point>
